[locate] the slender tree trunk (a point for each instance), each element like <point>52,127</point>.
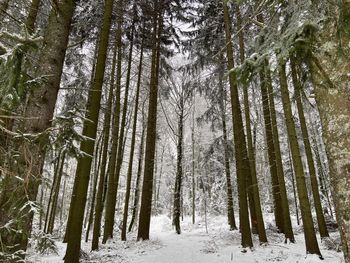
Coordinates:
<point>154,210</point>
<point>138,177</point>
<point>258,224</point>
<point>146,199</point>
<point>97,174</point>
<point>271,155</point>
<point>113,181</point>
<point>62,200</point>
<point>110,205</point>
<point>230,210</point>
<point>293,185</point>
<point>179,172</point>
<point>287,224</point>
<point>42,195</point>
<point>98,209</point>
<point>242,161</point>
<point>324,183</point>
<point>132,147</point>
<point>193,166</point>
<point>309,231</point>
<point>310,161</point>
<point>49,207</point>
<point>160,171</point>
<point>55,195</point>
<point>82,176</point>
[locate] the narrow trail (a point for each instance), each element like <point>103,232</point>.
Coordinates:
<point>187,247</point>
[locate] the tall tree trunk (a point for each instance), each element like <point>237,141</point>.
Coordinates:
<point>146,199</point>
<point>113,181</point>
<point>271,155</point>
<point>322,228</point>
<point>160,172</point>
<point>309,231</point>
<point>287,224</point>
<point>334,106</point>
<point>138,176</point>
<point>179,172</point>
<point>62,200</point>
<point>323,178</point>
<point>48,209</point>
<point>230,210</point>
<point>242,161</point>
<point>258,224</point>
<point>154,202</point>
<point>97,173</point>
<point>56,193</point>
<point>82,175</point>
<point>98,209</point>
<point>41,104</point>
<point>110,205</point>
<point>193,166</point>
<point>132,148</point>
<point>41,213</point>
<point>293,186</point>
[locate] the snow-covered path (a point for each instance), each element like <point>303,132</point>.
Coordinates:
<point>194,245</point>
<point>189,247</point>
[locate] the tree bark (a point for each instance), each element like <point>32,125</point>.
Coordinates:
<point>309,231</point>
<point>132,147</point>
<point>334,106</point>
<point>287,224</point>
<point>322,228</point>
<point>256,217</point>
<point>146,199</point>
<point>82,176</point>
<point>179,171</point>
<point>41,104</point>
<point>110,205</point>
<point>230,210</point>
<point>138,177</point>
<point>242,161</point>
<point>56,193</point>
<point>113,181</point>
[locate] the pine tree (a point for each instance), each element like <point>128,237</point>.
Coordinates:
<point>41,104</point>
<point>113,181</point>
<point>322,228</point>
<point>146,199</point>
<point>82,176</point>
<point>132,147</point>
<point>253,181</point>
<point>242,161</point>
<point>309,230</point>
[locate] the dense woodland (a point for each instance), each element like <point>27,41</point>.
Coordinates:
<point>114,112</point>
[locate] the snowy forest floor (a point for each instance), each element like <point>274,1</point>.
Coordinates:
<point>195,245</point>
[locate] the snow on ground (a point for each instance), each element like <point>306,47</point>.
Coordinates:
<point>194,245</point>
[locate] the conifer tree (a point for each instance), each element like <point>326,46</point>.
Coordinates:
<point>242,161</point>
<point>309,230</point>
<point>41,104</point>
<point>82,176</point>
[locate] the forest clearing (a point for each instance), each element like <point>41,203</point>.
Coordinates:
<point>174,131</point>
